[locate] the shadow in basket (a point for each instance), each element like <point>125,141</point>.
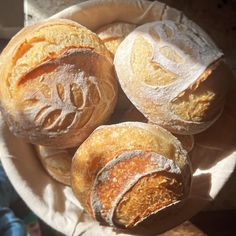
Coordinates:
<point>21,154</point>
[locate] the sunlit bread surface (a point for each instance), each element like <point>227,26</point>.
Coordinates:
<point>174,74</point>
<point>57,83</point>
<point>125,172</point>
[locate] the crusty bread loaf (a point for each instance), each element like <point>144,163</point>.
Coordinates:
<point>113,34</point>
<point>174,74</point>
<point>126,172</point>
<point>56,162</point>
<point>57,83</point>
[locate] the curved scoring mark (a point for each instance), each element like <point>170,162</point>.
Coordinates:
<point>50,118</point>
<point>38,73</point>
<point>168,31</point>
<point>185,48</point>
<point>30,102</point>
<point>45,90</point>
<point>164,76</point>
<point>171,54</point>
<point>85,117</point>
<point>203,100</point>
<point>38,116</point>
<point>154,35</point>
<point>66,121</point>
<point>150,194</point>
<point>94,94</point>
<point>60,91</point>
<point>47,41</point>
<point>76,95</point>
<point>118,176</point>
<point>147,70</point>
<point>25,47</point>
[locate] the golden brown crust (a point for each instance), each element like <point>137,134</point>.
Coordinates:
<point>150,193</point>
<point>56,162</point>
<point>114,158</point>
<point>203,100</point>
<point>58,83</point>
<point>113,34</point>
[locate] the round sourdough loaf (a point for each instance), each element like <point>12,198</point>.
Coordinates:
<point>57,83</point>
<point>174,74</point>
<point>113,34</point>
<point>56,162</point>
<point>126,172</point>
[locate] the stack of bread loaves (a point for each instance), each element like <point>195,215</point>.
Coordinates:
<point>59,85</point>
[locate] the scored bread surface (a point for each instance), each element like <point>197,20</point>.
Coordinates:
<point>117,163</point>
<point>173,74</point>
<point>58,83</point>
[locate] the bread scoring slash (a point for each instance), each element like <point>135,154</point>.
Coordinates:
<point>124,173</point>
<point>57,83</point>
<point>174,74</point>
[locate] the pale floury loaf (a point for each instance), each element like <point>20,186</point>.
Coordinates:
<point>174,74</point>
<point>57,83</point>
